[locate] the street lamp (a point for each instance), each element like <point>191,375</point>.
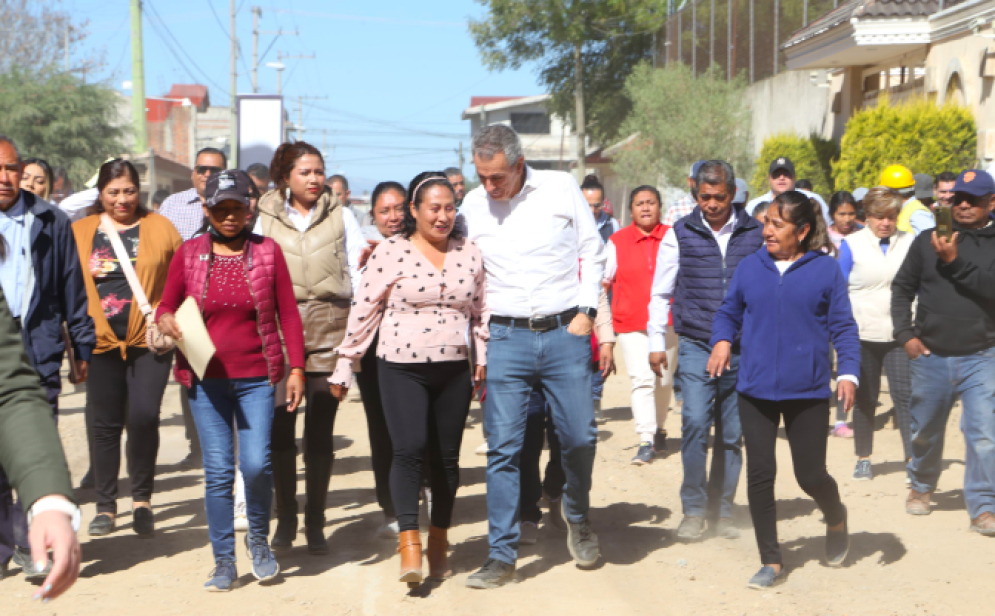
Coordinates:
<point>278,66</point>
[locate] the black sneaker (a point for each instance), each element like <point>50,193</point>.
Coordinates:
<point>660,441</point>
<point>691,528</point>
<point>144,521</point>
<point>838,543</point>
<point>101,525</point>
<point>581,541</point>
<point>644,455</point>
<point>22,558</point>
<point>765,578</point>
<point>493,574</point>
<point>863,471</point>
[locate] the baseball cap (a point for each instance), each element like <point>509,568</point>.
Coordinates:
<point>695,167</point>
<point>232,184</point>
<point>741,191</point>
<point>924,186</point>
<point>975,182</point>
<point>859,194</point>
<point>782,162</point>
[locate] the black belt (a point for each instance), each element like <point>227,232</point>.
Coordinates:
<point>17,322</point>
<point>538,324</point>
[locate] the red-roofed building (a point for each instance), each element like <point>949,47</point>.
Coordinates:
<point>198,95</point>
<point>183,121</point>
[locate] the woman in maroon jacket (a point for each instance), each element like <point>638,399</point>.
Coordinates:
<point>243,289</point>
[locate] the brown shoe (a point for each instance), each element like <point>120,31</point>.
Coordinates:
<point>409,547</point>
<point>437,553</point>
<point>984,524</point>
<point>918,503</point>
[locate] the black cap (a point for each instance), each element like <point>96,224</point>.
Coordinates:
<point>232,184</point>
<point>782,162</point>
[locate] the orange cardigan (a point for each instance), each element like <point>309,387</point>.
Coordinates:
<point>157,241</point>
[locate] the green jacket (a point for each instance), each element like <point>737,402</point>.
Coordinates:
<point>30,450</point>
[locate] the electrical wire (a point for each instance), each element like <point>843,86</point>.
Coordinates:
<point>162,23</point>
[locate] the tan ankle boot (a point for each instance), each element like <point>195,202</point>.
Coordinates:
<point>409,547</point>
<point>438,553</point>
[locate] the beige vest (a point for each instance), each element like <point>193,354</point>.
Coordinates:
<point>316,258</point>
<point>870,281</point>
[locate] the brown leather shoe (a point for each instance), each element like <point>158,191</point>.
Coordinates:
<point>409,547</point>
<point>918,503</point>
<point>437,553</point>
<point>984,524</point>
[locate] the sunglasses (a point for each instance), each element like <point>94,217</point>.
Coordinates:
<point>207,170</point>
<point>981,201</point>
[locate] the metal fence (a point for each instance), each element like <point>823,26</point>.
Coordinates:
<point>737,36</point>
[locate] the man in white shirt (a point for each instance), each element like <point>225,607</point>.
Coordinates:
<point>781,178</point>
<point>695,263</point>
<point>544,261</point>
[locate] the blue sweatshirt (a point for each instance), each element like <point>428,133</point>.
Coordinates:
<point>787,323</point>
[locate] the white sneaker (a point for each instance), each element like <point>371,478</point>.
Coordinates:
<point>529,533</point>
<point>241,520</point>
<point>482,450</point>
<point>389,529</point>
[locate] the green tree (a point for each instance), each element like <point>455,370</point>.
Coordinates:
<point>34,33</point>
<point>811,155</point>
<point>55,116</point>
<point>677,119</point>
<point>921,135</point>
<point>601,40</point>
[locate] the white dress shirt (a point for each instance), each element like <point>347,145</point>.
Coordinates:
<point>769,196</point>
<point>668,262</point>
<point>75,204</point>
<point>533,245</point>
<point>355,241</point>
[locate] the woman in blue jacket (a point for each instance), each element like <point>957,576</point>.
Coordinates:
<point>789,301</point>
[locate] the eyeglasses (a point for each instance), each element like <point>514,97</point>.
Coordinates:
<point>207,170</point>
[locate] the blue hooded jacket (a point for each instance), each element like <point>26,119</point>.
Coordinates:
<point>787,323</point>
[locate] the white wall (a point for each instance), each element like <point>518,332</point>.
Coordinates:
<point>790,102</point>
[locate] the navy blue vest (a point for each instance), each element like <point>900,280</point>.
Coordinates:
<point>704,275</point>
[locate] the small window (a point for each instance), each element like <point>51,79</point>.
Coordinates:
<point>532,123</point>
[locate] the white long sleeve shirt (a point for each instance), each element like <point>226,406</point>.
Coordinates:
<point>533,245</point>
<point>668,260</point>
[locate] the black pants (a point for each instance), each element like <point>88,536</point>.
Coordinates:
<point>319,418</point>
<point>381,447</point>
<point>891,358</point>
<point>119,391</point>
<point>426,407</point>
<point>539,424</point>
<point>805,424</point>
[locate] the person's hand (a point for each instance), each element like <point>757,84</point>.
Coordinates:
<point>479,376</point>
<point>581,325</point>
<point>658,363</point>
<point>847,392</point>
<point>718,362</point>
<point>338,391</point>
<point>82,369</point>
<point>169,326</point>
<point>364,254</point>
<point>606,363</point>
<point>946,249</point>
<point>915,348</point>
<point>53,530</point>
<point>295,389</point>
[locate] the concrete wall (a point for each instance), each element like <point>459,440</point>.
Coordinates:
<point>962,57</point>
<point>790,102</point>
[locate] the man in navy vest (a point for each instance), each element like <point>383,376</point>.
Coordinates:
<point>694,266</point>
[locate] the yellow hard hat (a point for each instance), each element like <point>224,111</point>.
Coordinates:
<point>897,177</point>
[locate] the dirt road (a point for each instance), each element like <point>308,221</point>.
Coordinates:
<point>898,564</point>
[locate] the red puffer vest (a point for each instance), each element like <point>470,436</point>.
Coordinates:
<point>260,271</point>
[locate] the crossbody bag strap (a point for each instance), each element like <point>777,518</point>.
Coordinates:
<point>125,261</point>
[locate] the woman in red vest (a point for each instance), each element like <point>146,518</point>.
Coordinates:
<point>631,263</point>
<point>244,293</point>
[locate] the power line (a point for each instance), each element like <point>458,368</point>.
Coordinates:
<point>388,20</point>
<point>162,23</point>
<point>386,123</point>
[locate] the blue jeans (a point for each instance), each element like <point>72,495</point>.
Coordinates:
<point>708,402</point>
<point>559,364</point>
<point>597,382</point>
<point>248,403</point>
<point>936,382</point>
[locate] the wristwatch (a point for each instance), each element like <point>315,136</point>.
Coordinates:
<point>48,503</point>
<point>591,312</point>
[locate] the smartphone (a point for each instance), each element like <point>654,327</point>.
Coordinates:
<point>944,221</point>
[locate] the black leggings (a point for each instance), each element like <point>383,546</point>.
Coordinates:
<point>381,447</point>
<point>875,357</point>
<point>539,424</point>
<point>805,424</point>
<point>426,407</point>
<point>319,418</point>
<point>118,391</point>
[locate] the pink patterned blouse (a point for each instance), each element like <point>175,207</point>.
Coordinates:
<point>422,314</point>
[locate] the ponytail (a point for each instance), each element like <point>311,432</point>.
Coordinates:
<point>795,207</point>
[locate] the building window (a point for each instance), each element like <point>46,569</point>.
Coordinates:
<point>532,123</point>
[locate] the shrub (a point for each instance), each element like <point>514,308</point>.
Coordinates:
<point>921,135</point>
<point>811,155</point>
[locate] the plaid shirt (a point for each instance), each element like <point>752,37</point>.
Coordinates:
<point>185,210</point>
<point>679,210</point>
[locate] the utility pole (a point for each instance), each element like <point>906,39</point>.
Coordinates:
<point>137,79</point>
<point>300,113</point>
<point>580,123</point>
<point>257,13</point>
<point>280,57</point>
<point>461,156</point>
<point>233,140</point>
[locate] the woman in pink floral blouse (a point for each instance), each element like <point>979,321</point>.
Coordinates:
<point>423,290</point>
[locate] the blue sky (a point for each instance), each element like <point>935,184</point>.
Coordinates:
<point>396,74</point>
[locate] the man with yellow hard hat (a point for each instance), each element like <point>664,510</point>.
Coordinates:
<point>914,217</point>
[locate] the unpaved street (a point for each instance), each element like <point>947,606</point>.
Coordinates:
<point>897,564</point>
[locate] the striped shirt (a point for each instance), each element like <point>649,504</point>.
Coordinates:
<point>185,210</point>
